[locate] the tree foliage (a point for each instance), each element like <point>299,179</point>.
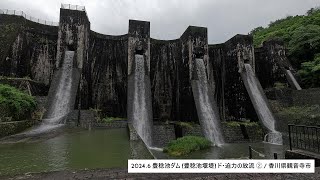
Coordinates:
<point>301,35</point>
<point>310,72</point>
<point>15,104</point>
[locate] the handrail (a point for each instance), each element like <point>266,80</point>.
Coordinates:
<point>304,137</point>
<point>24,15</point>
<point>73,7</point>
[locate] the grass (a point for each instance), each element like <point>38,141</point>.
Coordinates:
<point>279,85</point>
<point>15,104</point>
<point>238,123</point>
<point>185,145</point>
<point>303,115</point>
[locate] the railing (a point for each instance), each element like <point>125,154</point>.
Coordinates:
<point>304,137</point>
<point>73,7</point>
<point>21,13</point>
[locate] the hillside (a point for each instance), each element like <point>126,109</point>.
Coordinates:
<point>301,35</point>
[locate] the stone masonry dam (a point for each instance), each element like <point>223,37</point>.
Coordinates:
<point>103,65</point>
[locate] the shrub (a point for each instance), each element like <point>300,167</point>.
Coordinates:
<point>14,103</point>
<point>185,145</point>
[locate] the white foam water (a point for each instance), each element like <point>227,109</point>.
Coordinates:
<point>273,138</point>
<point>206,106</point>
<point>141,119</point>
<point>61,102</point>
<point>60,106</point>
<point>260,104</point>
<point>293,80</point>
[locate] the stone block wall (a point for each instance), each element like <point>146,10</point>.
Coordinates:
<point>82,118</point>
<point>134,136</point>
<point>194,131</point>
<point>14,127</point>
<point>163,134</point>
<point>105,62</point>
<point>235,134</point>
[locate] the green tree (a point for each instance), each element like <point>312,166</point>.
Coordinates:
<point>310,72</point>
<point>301,35</point>
<point>15,104</point>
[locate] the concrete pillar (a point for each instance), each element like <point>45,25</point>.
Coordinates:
<point>272,63</point>
<point>139,42</point>
<point>238,50</point>
<point>195,45</point>
<point>73,34</point>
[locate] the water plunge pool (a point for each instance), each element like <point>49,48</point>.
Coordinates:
<point>72,150</point>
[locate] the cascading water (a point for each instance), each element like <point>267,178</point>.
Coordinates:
<point>260,104</point>
<point>206,108</point>
<point>141,112</point>
<point>292,80</point>
<point>61,101</point>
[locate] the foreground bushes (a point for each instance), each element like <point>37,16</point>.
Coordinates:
<point>15,104</point>
<point>185,145</point>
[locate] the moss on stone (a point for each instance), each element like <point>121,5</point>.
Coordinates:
<point>238,123</point>
<point>112,119</point>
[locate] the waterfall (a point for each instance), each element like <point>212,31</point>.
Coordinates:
<point>61,101</point>
<point>260,104</point>
<point>140,113</point>
<point>292,80</point>
<point>206,106</point>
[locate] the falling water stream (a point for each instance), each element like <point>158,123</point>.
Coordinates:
<point>205,104</point>
<point>260,104</point>
<point>141,110</point>
<point>292,80</point>
<point>60,105</point>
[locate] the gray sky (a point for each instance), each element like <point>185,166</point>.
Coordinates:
<point>169,18</point>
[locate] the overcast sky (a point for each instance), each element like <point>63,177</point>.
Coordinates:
<point>169,18</point>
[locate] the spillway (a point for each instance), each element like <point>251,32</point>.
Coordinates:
<point>62,94</point>
<point>206,106</point>
<point>260,104</point>
<point>292,80</point>
<point>139,100</point>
